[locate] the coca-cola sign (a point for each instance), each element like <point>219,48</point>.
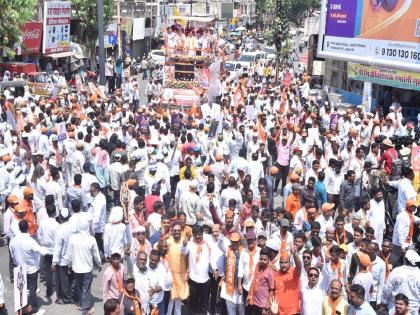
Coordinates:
<point>31,37</point>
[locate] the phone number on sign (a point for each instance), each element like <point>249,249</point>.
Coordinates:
<point>390,52</point>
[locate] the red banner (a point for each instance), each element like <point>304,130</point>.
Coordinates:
<point>31,37</point>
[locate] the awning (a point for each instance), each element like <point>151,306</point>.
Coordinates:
<point>203,19</point>
<point>64,54</point>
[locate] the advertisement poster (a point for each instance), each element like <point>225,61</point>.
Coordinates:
<point>20,287</point>
<point>31,38</point>
<point>57,17</point>
<point>415,159</point>
<point>380,30</point>
<point>384,76</point>
<point>334,121</point>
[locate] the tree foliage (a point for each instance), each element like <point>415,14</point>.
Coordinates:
<point>13,15</point>
<point>86,12</point>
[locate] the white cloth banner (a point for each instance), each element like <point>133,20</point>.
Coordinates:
<point>138,28</point>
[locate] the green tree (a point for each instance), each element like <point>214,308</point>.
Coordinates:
<point>277,28</point>
<point>278,16</point>
<point>13,15</point>
<point>85,11</point>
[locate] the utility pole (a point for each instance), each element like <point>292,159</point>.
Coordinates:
<point>119,28</point>
<point>101,52</point>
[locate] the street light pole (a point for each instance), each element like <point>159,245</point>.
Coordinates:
<point>101,52</point>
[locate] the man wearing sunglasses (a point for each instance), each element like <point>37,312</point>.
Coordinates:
<point>311,293</point>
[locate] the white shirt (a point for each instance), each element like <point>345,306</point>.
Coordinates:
<point>329,275</point>
<point>78,160</point>
<point>405,192</point>
<point>230,193</point>
<point>198,270</point>
<point>364,309</point>
<point>142,285</point>
<point>244,267</point>
<point>189,204</point>
<point>82,251</point>
<point>378,272</point>
<point>401,230</point>
<point>116,237</point>
<point>47,233</point>
<point>156,278</point>
<point>311,300</point>
<point>54,188</point>
<point>61,244</point>
<point>216,254</point>
<point>333,182</point>
<point>26,251</point>
<point>376,217</point>
<point>365,279</point>
<point>324,224</point>
<point>155,224</point>
<point>405,280</point>
<point>115,172</point>
<point>289,239</point>
<point>98,212</point>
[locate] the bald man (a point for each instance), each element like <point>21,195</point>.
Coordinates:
<point>287,283</point>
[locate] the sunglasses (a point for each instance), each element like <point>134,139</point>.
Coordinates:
<point>306,257</point>
<point>313,275</point>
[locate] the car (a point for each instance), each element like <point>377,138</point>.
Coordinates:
<point>250,44</point>
<point>248,58</point>
<point>234,69</point>
<point>270,53</point>
<point>157,56</point>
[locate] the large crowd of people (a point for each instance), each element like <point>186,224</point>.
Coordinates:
<point>265,199</point>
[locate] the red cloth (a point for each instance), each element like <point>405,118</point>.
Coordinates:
<point>149,202</point>
<point>387,157</point>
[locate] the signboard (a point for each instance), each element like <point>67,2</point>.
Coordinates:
<point>384,76</point>
<point>184,99</point>
<point>112,39</point>
<point>31,38</point>
<point>57,17</point>
<point>20,287</point>
<point>387,34</point>
<point>415,159</point>
<point>138,28</point>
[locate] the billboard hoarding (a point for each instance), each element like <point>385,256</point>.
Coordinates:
<point>359,32</point>
<point>384,76</point>
<point>57,18</point>
<point>31,38</point>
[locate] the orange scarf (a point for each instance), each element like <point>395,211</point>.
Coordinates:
<point>199,251</point>
<point>411,230</point>
<point>255,283</point>
<point>387,269</point>
<point>333,304</point>
<point>230,271</point>
<point>338,237</point>
<point>251,261</point>
<point>337,267</point>
<point>136,302</point>
<point>118,278</point>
